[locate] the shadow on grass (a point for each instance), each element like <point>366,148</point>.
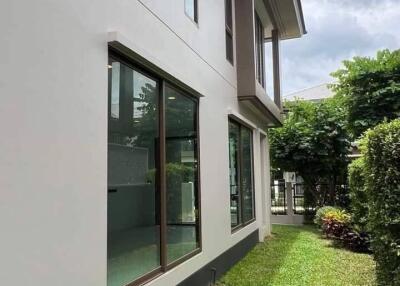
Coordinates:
<point>286,236</point>
<point>266,259</point>
<point>299,255</point>
<point>340,245</point>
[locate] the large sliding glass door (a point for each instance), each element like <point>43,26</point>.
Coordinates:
<point>182,170</point>
<point>153,216</point>
<point>133,214</point>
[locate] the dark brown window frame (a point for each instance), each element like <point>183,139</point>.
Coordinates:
<point>259,49</point>
<point>229,30</point>
<point>196,12</point>
<point>161,178</point>
<point>241,124</point>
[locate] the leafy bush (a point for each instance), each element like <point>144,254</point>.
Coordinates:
<point>333,228</point>
<point>382,169</point>
<point>358,196</point>
<point>320,214</point>
<point>337,215</point>
<point>356,241</point>
<point>335,223</point>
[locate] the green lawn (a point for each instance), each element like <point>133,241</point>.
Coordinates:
<point>298,255</point>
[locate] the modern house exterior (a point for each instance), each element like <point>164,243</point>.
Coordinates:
<point>134,142</point>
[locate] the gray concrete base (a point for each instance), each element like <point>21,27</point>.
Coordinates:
<point>287,219</point>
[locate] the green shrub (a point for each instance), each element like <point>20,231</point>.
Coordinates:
<point>358,196</point>
<point>338,215</point>
<point>320,214</point>
<point>335,223</point>
<point>356,241</point>
<point>382,167</point>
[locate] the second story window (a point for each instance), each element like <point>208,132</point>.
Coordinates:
<point>259,41</point>
<point>191,10</point>
<point>229,30</point>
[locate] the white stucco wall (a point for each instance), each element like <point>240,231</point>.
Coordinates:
<point>53,122</point>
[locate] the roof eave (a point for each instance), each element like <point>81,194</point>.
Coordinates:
<point>287,17</point>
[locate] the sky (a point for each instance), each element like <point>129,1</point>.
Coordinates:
<point>337,30</point>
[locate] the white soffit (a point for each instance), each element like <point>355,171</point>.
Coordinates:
<point>288,17</point>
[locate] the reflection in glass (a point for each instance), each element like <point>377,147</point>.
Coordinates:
<point>133,199</point>
<point>229,47</point>
<point>181,174</point>
<point>259,35</point>
<point>115,68</point>
<point>269,69</point>
<point>234,172</point>
<point>240,174</point>
<point>190,9</point>
<point>247,174</point>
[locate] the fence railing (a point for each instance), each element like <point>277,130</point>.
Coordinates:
<point>299,204</point>
<point>291,201</point>
<point>278,198</point>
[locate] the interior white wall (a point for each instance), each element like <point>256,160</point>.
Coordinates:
<point>53,118</point>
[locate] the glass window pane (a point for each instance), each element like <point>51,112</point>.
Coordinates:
<point>181,174</point>
<point>115,69</point>
<point>259,42</point>
<point>269,69</point>
<point>229,47</point>
<point>234,172</point>
<point>228,14</point>
<point>191,9</point>
<point>141,84</point>
<point>133,199</point>
<point>247,174</point>
<point>240,174</point>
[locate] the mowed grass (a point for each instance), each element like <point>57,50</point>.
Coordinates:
<point>297,256</point>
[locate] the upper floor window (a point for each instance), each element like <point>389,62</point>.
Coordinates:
<point>269,68</point>
<point>191,10</point>
<point>229,31</point>
<point>259,41</point>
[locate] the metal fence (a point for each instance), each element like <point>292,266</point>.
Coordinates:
<point>279,204</point>
<point>278,198</point>
<point>298,198</point>
<point>299,205</point>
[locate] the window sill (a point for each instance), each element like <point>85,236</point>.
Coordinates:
<point>236,229</point>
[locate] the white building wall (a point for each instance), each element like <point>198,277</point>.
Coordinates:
<point>53,106</point>
<point>53,122</point>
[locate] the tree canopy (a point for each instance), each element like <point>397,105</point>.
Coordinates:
<point>370,88</point>
<point>313,142</point>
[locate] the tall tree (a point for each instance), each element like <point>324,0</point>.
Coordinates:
<point>313,142</point>
<point>370,88</point>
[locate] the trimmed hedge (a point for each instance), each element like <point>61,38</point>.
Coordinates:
<point>358,195</point>
<point>382,171</point>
